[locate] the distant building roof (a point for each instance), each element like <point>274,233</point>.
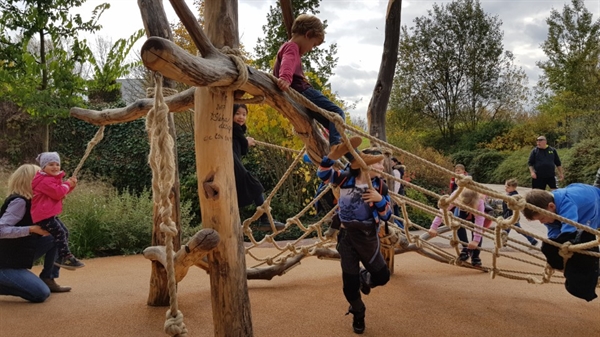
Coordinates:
<point>132,89</point>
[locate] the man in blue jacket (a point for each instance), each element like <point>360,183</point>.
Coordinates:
<point>579,203</point>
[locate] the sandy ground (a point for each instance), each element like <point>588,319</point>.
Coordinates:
<point>423,298</point>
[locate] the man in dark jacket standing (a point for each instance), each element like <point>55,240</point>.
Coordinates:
<point>543,160</point>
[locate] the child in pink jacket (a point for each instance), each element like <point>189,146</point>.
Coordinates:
<point>48,192</point>
<point>475,201</point>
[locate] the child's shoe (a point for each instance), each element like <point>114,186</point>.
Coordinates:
<point>464,256</point>
<point>365,277</point>
<point>476,262</point>
<point>69,263</point>
<point>358,321</point>
<point>338,150</point>
<point>369,159</point>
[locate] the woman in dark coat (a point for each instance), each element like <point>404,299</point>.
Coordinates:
<point>249,189</point>
<point>22,242</point>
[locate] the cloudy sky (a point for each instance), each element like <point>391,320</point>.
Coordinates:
<point>358,28</point>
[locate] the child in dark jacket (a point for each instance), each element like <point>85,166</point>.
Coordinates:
<point>249,189</point>
<point>361,212</point>
<point>510,186</point>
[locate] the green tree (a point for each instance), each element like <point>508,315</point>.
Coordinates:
<point>320,61</point>
<point>453,70</point>
<point>109,63</point>
<point>573,51</point>
<point>42,56</point>
<point>569,90</point>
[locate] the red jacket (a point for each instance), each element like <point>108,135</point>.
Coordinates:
<point>48,193</point>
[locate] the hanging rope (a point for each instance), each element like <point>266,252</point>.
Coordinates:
<point>97,138</point>
<point>162,162</point>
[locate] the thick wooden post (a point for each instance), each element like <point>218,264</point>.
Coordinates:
<point>156,24</point>
<point>216,186</point>
<point>218,200</point>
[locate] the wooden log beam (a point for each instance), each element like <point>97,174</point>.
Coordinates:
<point>172,61</point>
<point>267,273</point>
<point>192,254</point>
<point>287,11</point>
<point>180,102</point>
<point>191,24</point>
<point>218,70</point>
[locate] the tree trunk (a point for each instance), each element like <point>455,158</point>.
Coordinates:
<point>156,24</point>
<point>216,186</point>
<point>383,87</point>
<point>287,10</point>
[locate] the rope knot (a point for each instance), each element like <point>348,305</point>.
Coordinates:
<point>444,202</point>
<point>463,180</point>
<point>564,250</point>
<point>174,325</point>
<point>517,203</point>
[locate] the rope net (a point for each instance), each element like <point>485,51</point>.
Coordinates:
<point>313,240</point>
<point>398,240</point>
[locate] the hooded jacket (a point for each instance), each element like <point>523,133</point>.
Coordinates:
<point>48,193</point>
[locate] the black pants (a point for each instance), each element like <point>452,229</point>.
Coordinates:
<point>540,183</point>
<point>462,236</point>
<point>60,233</point>
<point>360,246</point>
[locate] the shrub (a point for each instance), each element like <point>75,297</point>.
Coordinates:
<point>416,215</point>
<point>514,166</point>
<point>103,222</point>
<point>582,161</point>
<point>484,164</point>
<point>483,133</point>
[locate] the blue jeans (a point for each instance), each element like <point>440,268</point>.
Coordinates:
<point>23,283</point>
<point>323,102</point>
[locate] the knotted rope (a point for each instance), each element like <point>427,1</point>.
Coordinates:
<point>162,162</point>
<point>240,63</point>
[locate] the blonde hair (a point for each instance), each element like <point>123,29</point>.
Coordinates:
<point>512,182</point>
<point>469,198</point>
<point>19,181</point>
<point>309,24</point>
<point>460,166</point>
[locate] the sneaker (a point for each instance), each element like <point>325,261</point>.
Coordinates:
<point>476,262</point>
<point>358,321</point>
<point>464,256</point>
<point>55,287</point>
<point>69,263</point>
<point>338,150</point>
<point>369,159</point>
<point>365,277</point>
